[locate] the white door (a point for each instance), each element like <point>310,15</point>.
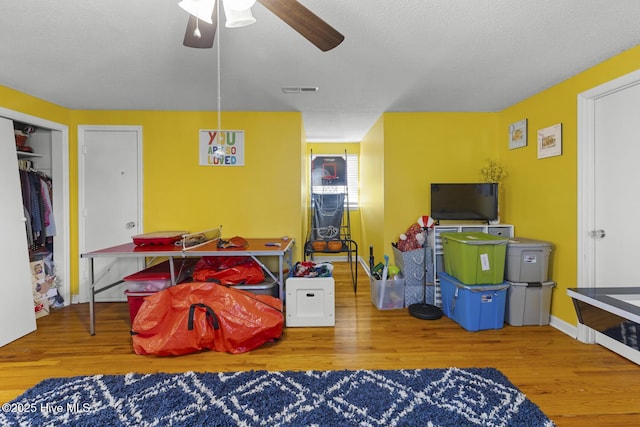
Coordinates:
<point>17,316</point>
<point>617,197</point>
<point>608,229</point>
<point>110,202</point>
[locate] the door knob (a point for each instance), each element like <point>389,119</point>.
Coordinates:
<point>598,234</point>
<point>130,225</point>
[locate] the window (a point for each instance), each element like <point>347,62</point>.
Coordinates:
<point>352,183</point>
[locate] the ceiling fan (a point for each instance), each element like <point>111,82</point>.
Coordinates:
<point>201,32</point>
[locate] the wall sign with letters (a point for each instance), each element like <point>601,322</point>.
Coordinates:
<point>228,150</point>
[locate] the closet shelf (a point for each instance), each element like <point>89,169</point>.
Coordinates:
<point>26,155</point>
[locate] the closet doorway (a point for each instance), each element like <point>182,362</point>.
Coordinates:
<point>14,259</point>
<point>17,312</point>
<point>54,139</point>
<point>109,201</point>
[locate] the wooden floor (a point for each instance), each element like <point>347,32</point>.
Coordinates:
<point>573,383</point>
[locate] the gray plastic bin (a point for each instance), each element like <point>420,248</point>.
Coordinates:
<point>260,288</point>
<point>527,260</point>
<point>528,303</point>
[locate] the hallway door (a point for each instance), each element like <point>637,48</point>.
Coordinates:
<point>617,198</point>
<point>110,202</point>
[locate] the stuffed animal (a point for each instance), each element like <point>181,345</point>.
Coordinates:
<point>414,237</point>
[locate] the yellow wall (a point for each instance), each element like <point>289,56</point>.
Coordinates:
<point>541,194</point>
<point>260,199</point>
<point>421,148</point>
<point>404,152</point>
<point>372,192</point>
<point>23,103</point>
<point>178,193</point>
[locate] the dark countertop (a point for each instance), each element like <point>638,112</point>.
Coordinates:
<point>605,298</point>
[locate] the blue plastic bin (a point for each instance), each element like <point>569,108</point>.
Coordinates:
<point>474,307</point>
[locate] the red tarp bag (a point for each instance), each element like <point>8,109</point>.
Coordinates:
<point>190,317</point>
<point>232,270</point>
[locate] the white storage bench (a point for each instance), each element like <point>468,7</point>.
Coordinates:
<point>310,301</point>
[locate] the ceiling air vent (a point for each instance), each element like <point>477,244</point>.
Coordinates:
<point>297,89</point>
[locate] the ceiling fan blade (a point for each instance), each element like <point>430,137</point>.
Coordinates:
<point>305,22</point>
<point>207,31</point>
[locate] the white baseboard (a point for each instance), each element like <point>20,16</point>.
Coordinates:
<point>563,326</point>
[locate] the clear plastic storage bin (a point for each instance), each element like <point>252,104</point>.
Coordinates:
<point>389,294</point>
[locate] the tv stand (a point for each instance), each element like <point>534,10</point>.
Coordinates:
<point>452,222</point>
<point>436,250</point>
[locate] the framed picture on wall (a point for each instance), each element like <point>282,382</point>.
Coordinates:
<point>518,134</point>
<point>550,141</point>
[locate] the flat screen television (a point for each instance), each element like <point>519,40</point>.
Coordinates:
<point>464,202</point>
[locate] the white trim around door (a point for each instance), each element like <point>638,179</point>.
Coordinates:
<point>586,183</point>
<point>84,291</point>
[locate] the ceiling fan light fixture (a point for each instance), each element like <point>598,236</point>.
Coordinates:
<point>201,9</point>
<point>237,18</point>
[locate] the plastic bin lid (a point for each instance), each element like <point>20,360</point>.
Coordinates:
<point>157,272</point>
<point>483,288</point>
<point>162,271</point>
<point>139,294</point>
<point>474,238</point>
<point>474,288</point>
<point>524,242</point>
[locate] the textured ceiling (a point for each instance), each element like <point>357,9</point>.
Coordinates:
<point>403,55</point>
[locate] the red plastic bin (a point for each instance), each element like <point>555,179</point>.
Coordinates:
<point>135,300</point>
<point>158,238</point>
<point>159,273</point>
<point>158,276</point>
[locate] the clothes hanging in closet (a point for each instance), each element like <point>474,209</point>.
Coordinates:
<point>36,199</point>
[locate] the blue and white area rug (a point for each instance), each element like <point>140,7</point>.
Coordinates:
<point>424,397</point>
